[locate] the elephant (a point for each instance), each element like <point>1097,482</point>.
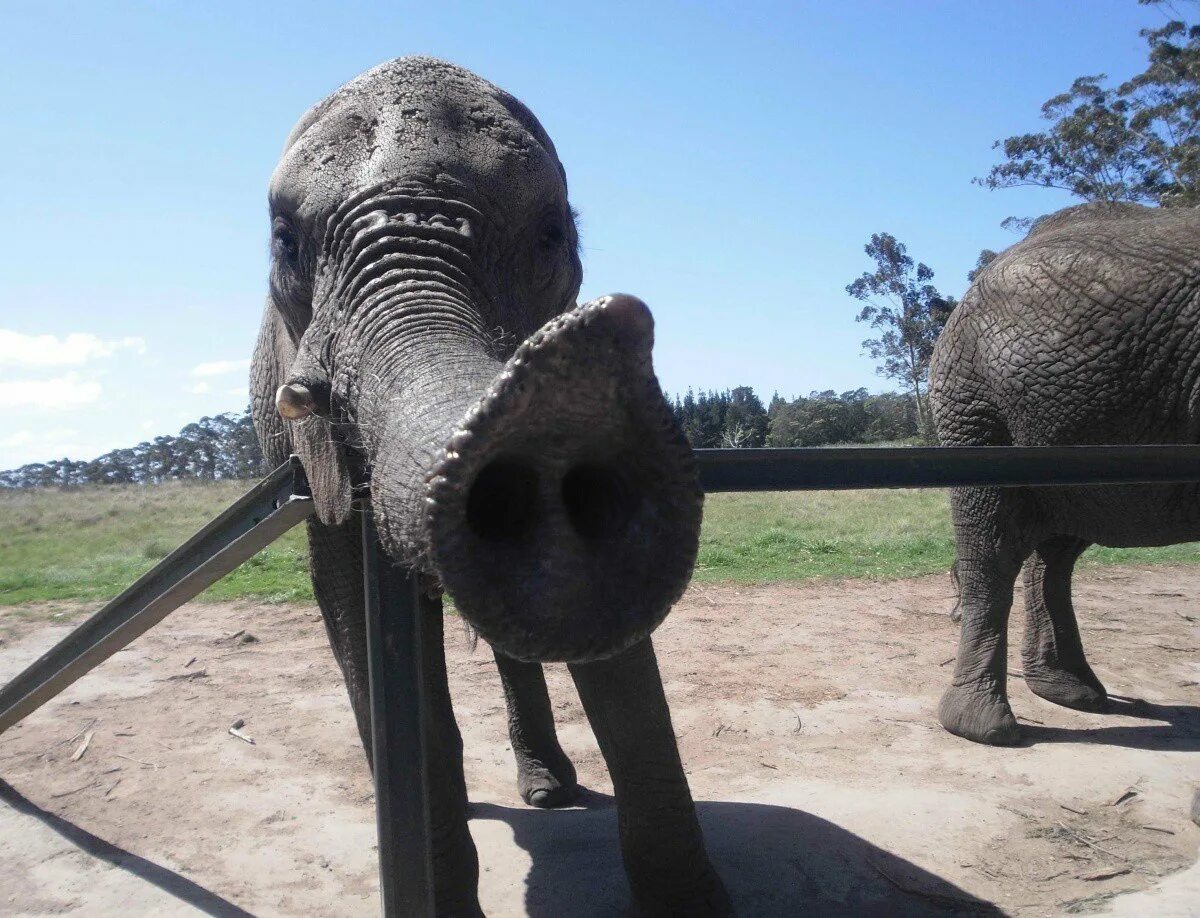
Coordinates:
<point>421,349</point>
<point>1085,332</point>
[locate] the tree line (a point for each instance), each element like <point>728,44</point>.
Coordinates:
<point>224,446</point>
<point>736,418</point>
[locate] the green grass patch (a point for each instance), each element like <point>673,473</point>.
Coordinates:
<point>882,534</point>
<point>90,543</point>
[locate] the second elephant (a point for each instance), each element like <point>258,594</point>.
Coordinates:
<point>1086,332</point>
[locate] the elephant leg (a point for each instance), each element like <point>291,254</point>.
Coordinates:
<point>336,566</point>
<point>545,776</point>
<point>337,575</point>
<point>975,706</point>
<point>661,841</point>
<point>1052,653</point>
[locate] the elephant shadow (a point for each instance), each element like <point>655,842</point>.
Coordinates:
<point>186,891</point>
<point>1180,731</point>
<point>773,859</point>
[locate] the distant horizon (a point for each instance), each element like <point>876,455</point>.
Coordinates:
<point>729,166</point>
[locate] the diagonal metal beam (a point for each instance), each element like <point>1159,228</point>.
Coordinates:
<point>849,468</point>
<point>258,518</point>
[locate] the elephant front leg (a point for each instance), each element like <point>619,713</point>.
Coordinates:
<point>661,841</point>
<point>1052,654</point>
<point>975,706</point>
<point>545,776</point>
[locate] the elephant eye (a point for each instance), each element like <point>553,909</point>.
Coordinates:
<point>552,236</point>
<point>284,240</point>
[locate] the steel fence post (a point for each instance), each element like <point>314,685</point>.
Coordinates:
<point>394,608</point>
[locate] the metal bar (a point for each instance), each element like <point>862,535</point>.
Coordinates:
<point>820,469</point>
<point>394,607</point>
<point>258,518</point>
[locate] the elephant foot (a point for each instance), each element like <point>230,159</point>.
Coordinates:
<point>1079,690</point>
<point>547,787</point>
<point>981,716</point>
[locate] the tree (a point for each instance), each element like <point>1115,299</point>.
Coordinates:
<point>986,257</point>
<point>824,418</point>
<point>745,420</point>
<point>1138,142</point>
<point>908,312</point>
<point>1165,100</point>
<point>732,419</point>
<point>1090,149</point>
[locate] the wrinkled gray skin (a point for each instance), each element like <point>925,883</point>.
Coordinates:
<point>1086,332</point>
<point>421,232</point>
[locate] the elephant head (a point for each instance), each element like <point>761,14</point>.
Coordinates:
<point>424,265</point>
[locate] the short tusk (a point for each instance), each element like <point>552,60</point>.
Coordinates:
<point>294,401</point>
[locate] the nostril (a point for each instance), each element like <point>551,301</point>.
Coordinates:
<point>598,500</point>
<point>502,504</point>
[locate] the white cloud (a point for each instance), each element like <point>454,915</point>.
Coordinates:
<point>38,445</point>
<point>220,367</point>
<point>55,394</point>
<point>29,437</point>
<point>75,349</point>
<point>200,388</point>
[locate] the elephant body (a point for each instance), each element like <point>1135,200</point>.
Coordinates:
<point>1086,332</point>
<point>421,345</point>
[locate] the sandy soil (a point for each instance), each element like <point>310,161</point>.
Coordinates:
<point>805,718</point>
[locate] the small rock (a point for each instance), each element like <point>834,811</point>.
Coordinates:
<point>1196,806</point>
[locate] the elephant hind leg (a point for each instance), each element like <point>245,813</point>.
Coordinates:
<point>545,776</point>
<point>1055,666</point>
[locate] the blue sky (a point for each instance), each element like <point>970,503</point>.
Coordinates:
<point>729,163</point>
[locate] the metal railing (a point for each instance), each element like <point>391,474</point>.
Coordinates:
<point>395,602</point>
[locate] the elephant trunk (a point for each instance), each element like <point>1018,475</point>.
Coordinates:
<point>563,509</point>
<point>553,495</point>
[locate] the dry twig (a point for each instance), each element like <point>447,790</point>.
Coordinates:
<point>139,761</point>
<point>76,790</point>
<point>83,747</point>
<point>235,729</point>
<point>187,677</point>
<point>1091,844</point>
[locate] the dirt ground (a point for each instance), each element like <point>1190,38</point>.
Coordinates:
<point>805,718</point>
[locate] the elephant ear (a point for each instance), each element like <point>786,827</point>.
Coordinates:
<point>313,438</point>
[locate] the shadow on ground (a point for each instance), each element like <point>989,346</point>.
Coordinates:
<point>1180,733</point>
<point>776,861</point>
<point>164,878</point>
